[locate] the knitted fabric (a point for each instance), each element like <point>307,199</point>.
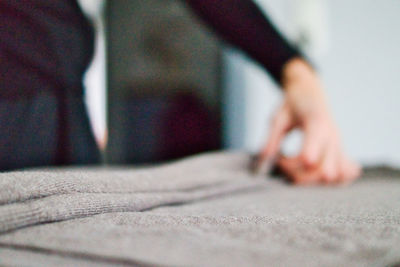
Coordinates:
<point>204,210</point>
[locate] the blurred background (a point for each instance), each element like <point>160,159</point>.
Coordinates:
<point>162,86</point>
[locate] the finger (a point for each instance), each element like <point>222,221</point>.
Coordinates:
<point>330,165</point>
<point>312,146</point>
<point>295,171</point>
<point>307,177</point>
<point>279,128</point>
<point>289,165</point>
<point>350,171</point>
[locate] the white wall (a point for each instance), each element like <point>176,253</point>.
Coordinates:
<point>362,74</point>
<point>360,70</point>
<point>95,77</point>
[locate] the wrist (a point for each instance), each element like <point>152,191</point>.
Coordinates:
<point>301,84</point>
<point>295,71</point>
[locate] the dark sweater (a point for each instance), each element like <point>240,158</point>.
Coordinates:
<point>45,48</point>
<point>242,24</point>
<point>47,44</point>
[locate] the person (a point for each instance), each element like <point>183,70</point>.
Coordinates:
<point>46,46</point>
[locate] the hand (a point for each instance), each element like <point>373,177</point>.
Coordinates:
<point>321,159</point>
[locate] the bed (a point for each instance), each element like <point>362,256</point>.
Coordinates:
<point>205,210</point>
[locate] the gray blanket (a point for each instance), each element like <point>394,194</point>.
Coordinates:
<point>204,210</point>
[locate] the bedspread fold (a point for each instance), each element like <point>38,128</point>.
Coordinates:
<point>205,210</point>
<point>33,197</point>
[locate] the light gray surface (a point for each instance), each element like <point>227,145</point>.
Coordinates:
<point>226,217</point>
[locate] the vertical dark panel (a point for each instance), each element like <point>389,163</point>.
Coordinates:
<point>161,62</point>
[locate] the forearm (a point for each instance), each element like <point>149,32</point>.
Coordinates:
<point>242,23</point>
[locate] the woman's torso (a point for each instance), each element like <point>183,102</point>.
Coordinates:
<point>44,44</point>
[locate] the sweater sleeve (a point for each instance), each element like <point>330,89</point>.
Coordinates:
<point>242,23</point>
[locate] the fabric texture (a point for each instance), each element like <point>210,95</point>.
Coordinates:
<point>203,210</point>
